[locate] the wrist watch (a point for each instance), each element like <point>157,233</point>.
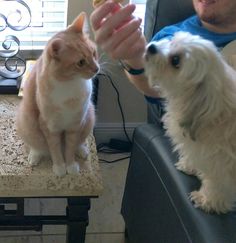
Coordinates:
<point>131,70</point>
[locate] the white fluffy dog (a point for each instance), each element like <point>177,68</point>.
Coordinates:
<point>200,91</point>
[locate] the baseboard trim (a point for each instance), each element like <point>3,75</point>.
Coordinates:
<point>103,132</point>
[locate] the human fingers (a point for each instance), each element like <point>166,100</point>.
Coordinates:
<point>122,34</point>
<point>113,22</point>
<point>131,48</point>
<point>98,15</point>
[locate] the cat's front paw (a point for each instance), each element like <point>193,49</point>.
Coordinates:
<point>73,168</point>
<point>34,157</point>
<point>83,152</point>
<point>59,170</point>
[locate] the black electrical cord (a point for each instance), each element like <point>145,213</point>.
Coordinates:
<point>119,103</point>
<point>104,147</point>
<point>113,161</point>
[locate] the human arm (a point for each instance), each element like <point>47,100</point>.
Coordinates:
<point>118,34</point>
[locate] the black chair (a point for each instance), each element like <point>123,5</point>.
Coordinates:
<point>155,206</point>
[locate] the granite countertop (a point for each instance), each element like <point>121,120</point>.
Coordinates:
<point>18,178</point>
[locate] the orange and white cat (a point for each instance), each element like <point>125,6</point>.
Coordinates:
<point>56,114</point>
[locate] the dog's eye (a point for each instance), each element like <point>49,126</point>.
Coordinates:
<point>175,61</point>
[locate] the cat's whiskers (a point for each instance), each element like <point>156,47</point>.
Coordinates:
<point>103,60</point>
<point>105,70</point>
<point>101,56</point>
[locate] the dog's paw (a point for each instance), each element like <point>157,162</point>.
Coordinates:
<point>34,157</point>
<point>73,168</point>
<point>184,167</point>
<point>83,152</point>
<point>198,198</point>
<point>59,170</point>
<point>208,204</point>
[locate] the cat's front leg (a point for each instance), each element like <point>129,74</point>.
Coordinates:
<point>82,151</point>
<point>59,166</point>
<point>36,155</point>
<point>86,129</point>
<point>71,144</point>
<point>54,141</point>
<point>55,146</point>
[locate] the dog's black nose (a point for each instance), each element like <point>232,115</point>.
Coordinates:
<point>152,49</point>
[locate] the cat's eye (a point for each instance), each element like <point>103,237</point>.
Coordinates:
<point>95,54</point>
<point>175,61</point>
<point>81,62</point>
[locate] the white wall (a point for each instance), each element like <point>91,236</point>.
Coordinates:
<point>109,122</point>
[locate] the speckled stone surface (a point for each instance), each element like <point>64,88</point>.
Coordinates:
<point>18,178</point>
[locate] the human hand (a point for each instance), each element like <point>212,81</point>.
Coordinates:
<point>117,31</point>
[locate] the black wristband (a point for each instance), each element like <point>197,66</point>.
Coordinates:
<point>131,70</point>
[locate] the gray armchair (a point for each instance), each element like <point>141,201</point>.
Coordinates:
<point>155,206</point>
<point>160,13</point>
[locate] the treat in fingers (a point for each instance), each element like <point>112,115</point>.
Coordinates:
<point>97,3</point>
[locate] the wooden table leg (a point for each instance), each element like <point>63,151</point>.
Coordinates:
<point>77,212</point>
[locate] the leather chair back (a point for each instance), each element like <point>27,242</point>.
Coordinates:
<point>160,13</point>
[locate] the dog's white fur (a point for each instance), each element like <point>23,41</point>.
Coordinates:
<point>200,92</point>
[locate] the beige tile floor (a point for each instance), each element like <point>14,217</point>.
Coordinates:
<point>106,224</point>
<point>105,216</point>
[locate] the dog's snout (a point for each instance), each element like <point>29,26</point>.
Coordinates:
<point>152,49</point>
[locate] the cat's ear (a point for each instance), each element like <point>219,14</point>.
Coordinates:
<point>55,47</point>
<point>79,24</point>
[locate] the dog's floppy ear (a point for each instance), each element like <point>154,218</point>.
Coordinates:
<point>189,129</point>
<point>191,125</point>
<point>201,108</point>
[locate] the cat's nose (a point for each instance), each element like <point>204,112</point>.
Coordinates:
<point>96,69</point>
<point>152,49</point>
